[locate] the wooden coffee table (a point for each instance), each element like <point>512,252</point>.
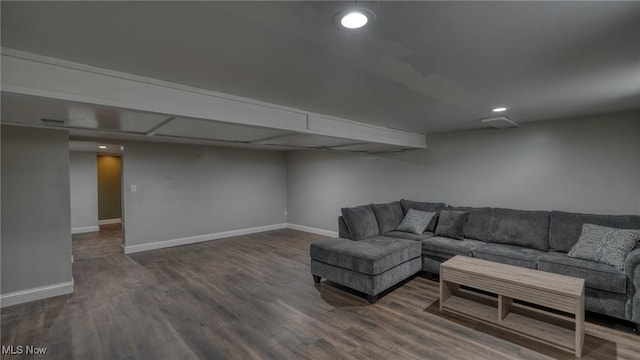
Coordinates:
<point>509,282</point>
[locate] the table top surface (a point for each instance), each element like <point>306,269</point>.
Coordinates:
<point>561,284</point>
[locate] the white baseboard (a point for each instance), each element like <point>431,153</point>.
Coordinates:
<point>109,221</point>
<point>34,294</point>
<point>86,229</point>
<point>312,230</point>
<point>200,238</point>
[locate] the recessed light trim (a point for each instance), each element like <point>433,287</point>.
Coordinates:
<point>499,109</point>
<point>102,147</point>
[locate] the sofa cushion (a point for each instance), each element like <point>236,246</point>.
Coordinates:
<point>424,206</point>
<point>451,224</point>
<point>444,248</point>
<point>415,221</point>
<point>596,275</point>
<point>519,227</point>
<point>565,228</point>
<point>409,236</point>
<point>388,215</point>
<point>509,254</point>
<point>372,256</point>
<point>361,222</point>
<point>477,225</point>
<point>605,245</point>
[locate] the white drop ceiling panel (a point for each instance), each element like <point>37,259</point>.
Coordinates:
<point>29,110</point>
<point>369,147</point>
<point>309,141</point>
<point>96,135</point>
<point>94,147</point>
<point>207,129</point>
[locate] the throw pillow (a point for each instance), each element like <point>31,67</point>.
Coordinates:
<point>451,224</point>
<point>361,222</point>
<point>605,245</point>
<point>415,221</point>
<point>424,206</point>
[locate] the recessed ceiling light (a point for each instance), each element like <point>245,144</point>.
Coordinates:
<point>499,109</point>
<point>354,20</point>
<point>102,147</point>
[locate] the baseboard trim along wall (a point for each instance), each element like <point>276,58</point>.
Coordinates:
<point>222,235</point>
<point>86,229</point>
<point>312,230</point>
<point>109,221</point>
<point>38,293</point>
<point>200,238</point>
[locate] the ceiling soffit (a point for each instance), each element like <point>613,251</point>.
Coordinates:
<point>84,98</point>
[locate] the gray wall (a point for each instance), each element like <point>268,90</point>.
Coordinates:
<point>36,236</point>
<point>84,189</point>
<point>188,190</point>
<point>583,165</point>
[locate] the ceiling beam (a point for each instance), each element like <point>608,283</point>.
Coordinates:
<point>36,75</point>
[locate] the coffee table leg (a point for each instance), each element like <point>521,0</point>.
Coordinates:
<point>504,306</point>
<point>446,290</point>
<point>579,325</point>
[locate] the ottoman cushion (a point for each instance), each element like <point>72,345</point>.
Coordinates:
<point>372,256</point>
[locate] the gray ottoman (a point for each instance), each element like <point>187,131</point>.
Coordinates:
<point>370,266</point>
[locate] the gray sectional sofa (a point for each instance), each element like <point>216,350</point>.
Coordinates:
<point>533,239</point>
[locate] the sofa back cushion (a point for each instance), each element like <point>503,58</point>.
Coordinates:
<point>388,215</point>
<point>477,225</point>
<point>426,207</point>
<point>519,227</point>
<point>565,227</point>
<point>361,222</point>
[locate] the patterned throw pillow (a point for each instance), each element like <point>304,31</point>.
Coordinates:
<point>415,221</point>
<point>605,245</point>
<point>451,224</point>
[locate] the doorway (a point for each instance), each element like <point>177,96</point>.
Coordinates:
<point>96,197</point>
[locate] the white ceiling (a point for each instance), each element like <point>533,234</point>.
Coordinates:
<point>421,66</point>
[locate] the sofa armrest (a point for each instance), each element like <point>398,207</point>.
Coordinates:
<point>632,266</point>
<point>343,232</point>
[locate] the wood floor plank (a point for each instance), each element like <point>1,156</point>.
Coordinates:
<point>252,297</point>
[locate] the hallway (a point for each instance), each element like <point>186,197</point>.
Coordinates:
<point>107,241</point>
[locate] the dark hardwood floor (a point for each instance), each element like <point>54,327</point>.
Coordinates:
<point>253,297</point>
<point>107,241</point>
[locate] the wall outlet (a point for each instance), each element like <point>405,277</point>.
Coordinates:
<point>133,188</point>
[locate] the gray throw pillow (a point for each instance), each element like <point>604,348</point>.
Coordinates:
<point>423,206</point>
<point>451,224</point>
<point>605,245</point>
<point>415,221</point>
